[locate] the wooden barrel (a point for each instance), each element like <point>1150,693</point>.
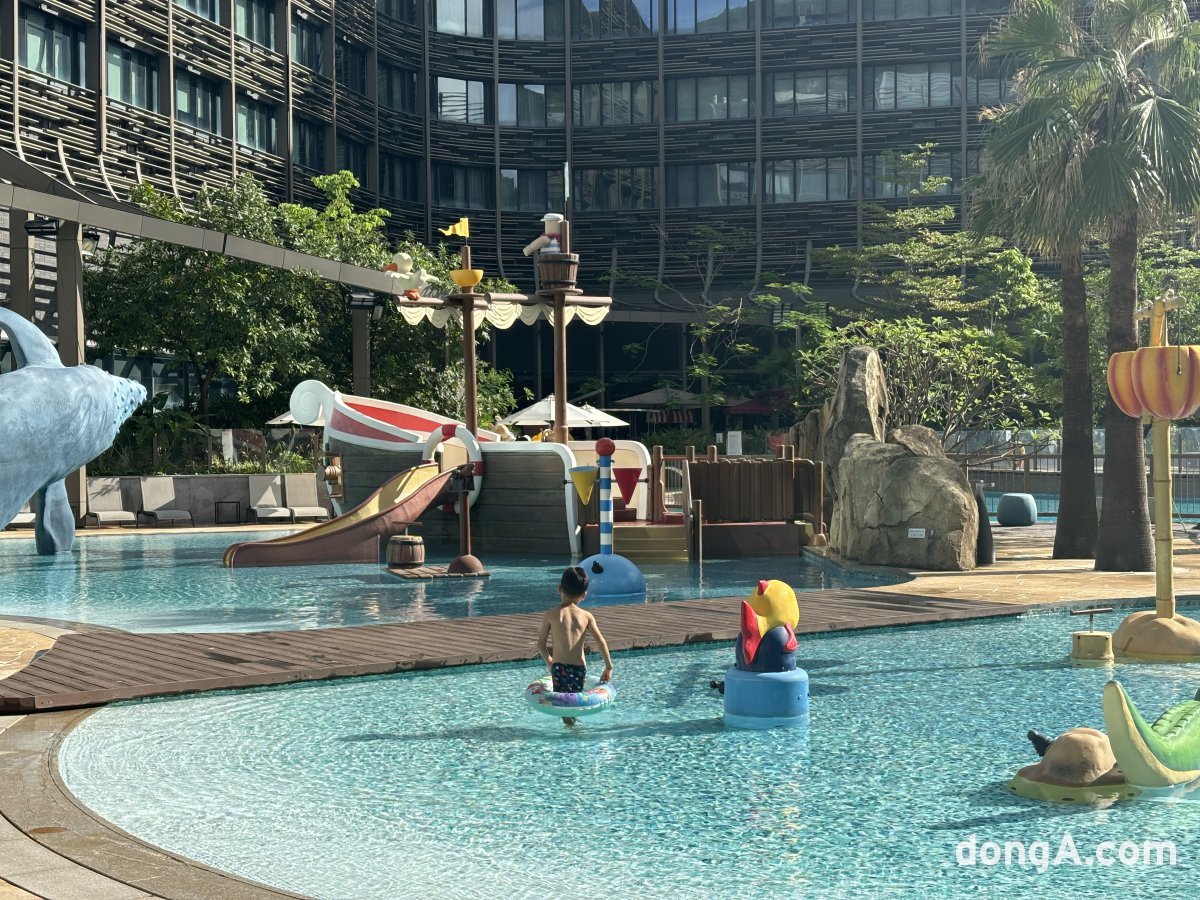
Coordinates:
<point>405,551</point>
<point>557,270</point>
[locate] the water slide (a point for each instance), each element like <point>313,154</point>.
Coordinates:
<point>356,536</point>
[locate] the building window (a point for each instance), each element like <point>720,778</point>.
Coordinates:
<point>132,77</point>
<point>255,124</point>
<point>207,9</point>
<point>198,102</point>
<point>987,7</point>
<point>613,103</point>
<point>594,20</point>
<point>911,86</point>
<point>710,184</point>
<point>398,177</point>
<point>808,180</point>
<point>351,65</point>
<point>985,89</point>
<point>808,93</point>
<point>456,100</point>
<point>794,13</point>
<point>531,190</point>
<point>308,45</point>
<point>463,187</point>
<point>397,88</point>
<point>52,46</point>
<point>352,156</point>
<point>887,10</point>
<point>403,10</point>
<point>885,176</point>
<point>469,17</point>
<point>623,188</point>
<point>255,21</point>
<point>308,144</point>
<point>707,16</point>
<point>530,20</point>
<point>531,105</point>
<point>708,98</point>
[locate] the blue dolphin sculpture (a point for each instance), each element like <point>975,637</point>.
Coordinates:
<point>53,419</point>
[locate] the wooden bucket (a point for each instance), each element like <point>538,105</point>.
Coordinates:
<point>557,270</point>
<point>405,551</point>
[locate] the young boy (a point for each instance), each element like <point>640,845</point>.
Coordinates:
<point>567,625</point>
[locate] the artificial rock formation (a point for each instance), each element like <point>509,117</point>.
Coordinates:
<point>884,491</point>
<point>860,406</point>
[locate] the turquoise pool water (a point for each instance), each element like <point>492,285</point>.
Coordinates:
<point>444,784</point>
<point>177,583</point>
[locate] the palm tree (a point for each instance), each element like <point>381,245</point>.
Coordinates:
<point>1113,85</point>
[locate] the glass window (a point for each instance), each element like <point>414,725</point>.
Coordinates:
<point>308,144</point>
<point>352,156</point>
<point>308,44</point>
<point>397,88</point>
<point>463,187</point>
<point>883,178</point>
<point>351,67</point>
<point>614,103</point>
<point>255,21</point>
<point>681,16</point>
<point>912,86</point>
<point>530,20</point>
<point>398,177</point>
<point>709,184</point>
<point>531,190</point>
<point>708,98</point>
<point>598,19</point>
<point>469,17</point>
<point>808,180</point>
<point>886,10</point>
<point>457,100</point>
<point>611,189</point>
<point>530,105</point>
<point>132,77</point>
<point>255,123</point>
<point>793,13</point>
<point>52,46</point>
<point>840,186</point>
<point>209,9</point>
<point>403,10</point>
<point>198,102</point>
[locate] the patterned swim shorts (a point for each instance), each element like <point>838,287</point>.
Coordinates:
<point>567,679</point>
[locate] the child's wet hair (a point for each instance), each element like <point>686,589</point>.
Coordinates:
<point>574,582</point>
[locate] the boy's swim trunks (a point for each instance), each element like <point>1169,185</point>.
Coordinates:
<point>567,679</point>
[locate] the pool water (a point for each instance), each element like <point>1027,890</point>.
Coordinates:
<point>445,784</point>
<point>177,583</point>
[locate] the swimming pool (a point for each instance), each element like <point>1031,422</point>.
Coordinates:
<point>177,583</point>
<point>444,784</point>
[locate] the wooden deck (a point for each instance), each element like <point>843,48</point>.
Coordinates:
<point>100,667</point>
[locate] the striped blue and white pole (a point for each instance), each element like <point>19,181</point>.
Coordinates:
<point>606,506</point>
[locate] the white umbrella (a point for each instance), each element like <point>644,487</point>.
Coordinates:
<point>601,419</point>
<point>541,414</point>
<point>288,419</point>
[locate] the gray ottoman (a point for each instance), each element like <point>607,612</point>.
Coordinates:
<point>1016,509</point>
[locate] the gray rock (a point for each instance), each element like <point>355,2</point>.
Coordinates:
<point>806,436</point>
<point>860,406</point>
<point>886,489</point>
<point>919,440</point>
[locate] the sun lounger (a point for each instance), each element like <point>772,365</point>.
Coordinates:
<point>105,506</point>
<point>23,519</point>
<point>300,492</point>
<point>266,500</point>
<point>158,502</point>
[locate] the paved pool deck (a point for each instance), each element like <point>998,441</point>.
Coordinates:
<point>52,847</point>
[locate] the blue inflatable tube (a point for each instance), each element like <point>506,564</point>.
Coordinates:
<point>595,696</point>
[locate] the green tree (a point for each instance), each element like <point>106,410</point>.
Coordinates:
<point>207,311</point>
<point>1113,83</point>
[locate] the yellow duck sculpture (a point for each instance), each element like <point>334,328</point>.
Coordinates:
<point>773,605</point>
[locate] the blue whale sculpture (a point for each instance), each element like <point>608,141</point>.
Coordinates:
<point>53,419</point>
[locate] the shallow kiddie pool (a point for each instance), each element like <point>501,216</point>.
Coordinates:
<point>177,583</point>
<point>445,784</point>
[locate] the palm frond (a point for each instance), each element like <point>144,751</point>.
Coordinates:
<point>1167,134</point>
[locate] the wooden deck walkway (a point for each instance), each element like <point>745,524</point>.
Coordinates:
<point>100,667</point>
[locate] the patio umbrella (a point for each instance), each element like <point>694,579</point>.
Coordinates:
<point>601,419</point>
<point>542,414</point>
<point>662,397</point>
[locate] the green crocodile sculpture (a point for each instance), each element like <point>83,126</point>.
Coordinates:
<point>1165,754</point>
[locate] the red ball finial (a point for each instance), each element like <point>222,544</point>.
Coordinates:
<point>605,447</point>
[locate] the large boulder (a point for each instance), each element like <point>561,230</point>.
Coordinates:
<point>806,435</point>
<point>918,440</point>
<point>860,406</point>
<point>885,490</point>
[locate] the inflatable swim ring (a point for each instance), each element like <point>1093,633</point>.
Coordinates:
<point>542,697</point>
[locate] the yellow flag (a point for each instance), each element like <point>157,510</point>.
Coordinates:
<point>460,228</point>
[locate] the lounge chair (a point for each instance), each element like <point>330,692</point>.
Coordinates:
<point>300,492</point>
<point>266,500</point>
<point>24,519</point>
<point>158,502</point>
<point>105,506</point>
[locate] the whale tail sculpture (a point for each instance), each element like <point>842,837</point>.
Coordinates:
<point>54,419</point>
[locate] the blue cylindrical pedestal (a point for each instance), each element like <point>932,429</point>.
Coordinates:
<point>766,699</point>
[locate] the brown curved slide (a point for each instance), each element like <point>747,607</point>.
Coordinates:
<point>357,536</point>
